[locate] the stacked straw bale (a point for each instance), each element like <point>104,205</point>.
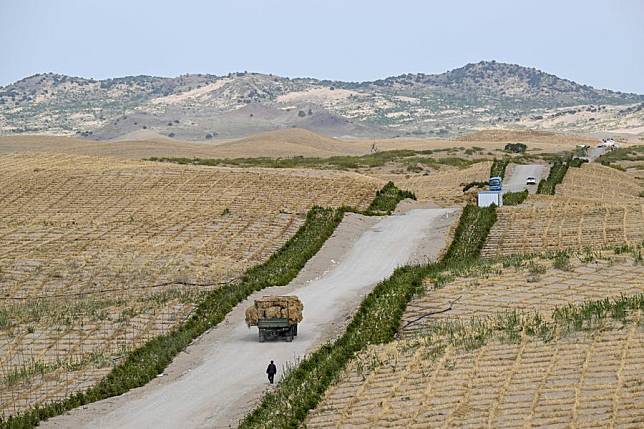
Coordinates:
<point>275,307</point>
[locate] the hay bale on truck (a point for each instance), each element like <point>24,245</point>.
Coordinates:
<point>275,316</point>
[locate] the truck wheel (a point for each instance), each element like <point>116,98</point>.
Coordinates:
<point>289,338</point>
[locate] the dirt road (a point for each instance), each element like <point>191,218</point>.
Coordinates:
<point>595,152</point>
<point>221,376</point>
<point>516,175</point>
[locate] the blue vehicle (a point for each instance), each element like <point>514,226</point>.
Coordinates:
<point>495,183</point>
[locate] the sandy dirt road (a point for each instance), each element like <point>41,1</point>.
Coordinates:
<point>595,152</point>
<point>516,175</point>
<point>221,376</point>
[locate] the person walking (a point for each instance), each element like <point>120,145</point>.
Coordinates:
<point>271,371</point>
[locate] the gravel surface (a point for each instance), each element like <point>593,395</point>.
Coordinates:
<point>220,377</point>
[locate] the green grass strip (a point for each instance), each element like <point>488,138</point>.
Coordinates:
<point>472,231</point>
<point>632,153</point>
<point>376,322</point>
<point>558,171</point>
<point>514,198</point>
<point>387,199</point>
<point>145,363</point>
<point>378,159</point>
<point>498,167</point>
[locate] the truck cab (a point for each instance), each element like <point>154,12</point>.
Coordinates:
<point>495,183</point>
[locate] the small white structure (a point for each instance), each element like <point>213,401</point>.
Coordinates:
<point>487,198</point>
<point>608,144</point>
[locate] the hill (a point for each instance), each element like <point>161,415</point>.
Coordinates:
<point>202,107</point>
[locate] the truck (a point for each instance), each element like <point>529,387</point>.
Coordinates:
<point>276,317</point>
<point>495,183</point>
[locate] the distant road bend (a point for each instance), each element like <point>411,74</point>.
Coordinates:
<point>221,376</point>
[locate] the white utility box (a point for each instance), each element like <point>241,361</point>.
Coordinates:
<point>487,198</point>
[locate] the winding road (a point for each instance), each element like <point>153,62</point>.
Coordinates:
<point>220,377</point>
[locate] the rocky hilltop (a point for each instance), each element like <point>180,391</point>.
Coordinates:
<point>200,106</point>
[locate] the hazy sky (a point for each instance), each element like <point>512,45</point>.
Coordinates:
<point>600,43</point>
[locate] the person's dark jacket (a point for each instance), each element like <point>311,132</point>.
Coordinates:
<point>272,369</point>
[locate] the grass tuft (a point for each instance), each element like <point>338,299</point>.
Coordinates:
<point>514,198</point>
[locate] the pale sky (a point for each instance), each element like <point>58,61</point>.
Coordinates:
<point>600,43</point>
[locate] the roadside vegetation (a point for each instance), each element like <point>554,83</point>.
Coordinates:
<point>387,199</point>
<point>376,321</point>
<point>577,162</point>
<point>634,153</point>
<point>477,184</point>
<point>510,326</point>
<point>496,170</point>
<point>515,148</point>
<point>624,157</point>
<point>557,173</point>
<point>470,235</point>
<point>514,198</point>
<point>412,159</point>
<point>498,167</point>
<point>558,167</point>
<point>145,363</point>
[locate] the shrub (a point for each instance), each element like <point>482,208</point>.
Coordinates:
<point>473,184</point>
<point>471,233</point>
<point>387,199</point>
<point>562,261</point>
<point>577,162</point>
<point>514,198</point>
<point>558,171</point>
<point>515,148</point>
<point>498,167</point>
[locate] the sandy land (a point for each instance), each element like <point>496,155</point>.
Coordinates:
<point>317,95</point>
<point>279,143</point>
<point>194,93</point>
<point>221,376</point>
